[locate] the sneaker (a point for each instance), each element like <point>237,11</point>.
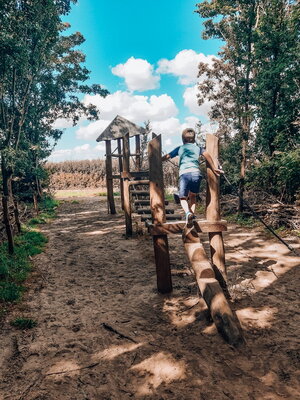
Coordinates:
<point>189,216</point>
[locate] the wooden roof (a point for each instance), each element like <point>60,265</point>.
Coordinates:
<point>118,128</point>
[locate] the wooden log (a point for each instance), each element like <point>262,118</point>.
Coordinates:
<point>138,152</point>
<point>210,289</point>
<point>201,225</point>
<point>126,186</point>
<point>157,205</point>
<point>119,144</point>
<point>109,179</point>
<point>213,212</point>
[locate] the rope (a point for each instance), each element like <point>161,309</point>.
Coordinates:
<point>254,213</point>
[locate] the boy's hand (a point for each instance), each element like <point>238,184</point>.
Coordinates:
<point>218,171</point>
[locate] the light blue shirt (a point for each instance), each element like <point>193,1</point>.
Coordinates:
<point>188,157</point>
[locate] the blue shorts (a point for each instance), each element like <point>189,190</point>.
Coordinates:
<point>189,182</point>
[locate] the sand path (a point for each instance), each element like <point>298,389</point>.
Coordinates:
<point>104,333</point>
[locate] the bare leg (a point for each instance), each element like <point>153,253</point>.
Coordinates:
<point>192,201</point>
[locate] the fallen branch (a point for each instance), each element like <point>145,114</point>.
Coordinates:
<point>121,335</point>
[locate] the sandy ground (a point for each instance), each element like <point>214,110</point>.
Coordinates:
<point>104,333</point>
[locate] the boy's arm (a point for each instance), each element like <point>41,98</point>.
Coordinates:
<point>172,154</point>
<point>211,163</point>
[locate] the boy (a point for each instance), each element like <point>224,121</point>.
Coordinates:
<point>189,171</point>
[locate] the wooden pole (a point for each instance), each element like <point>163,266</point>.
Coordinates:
<point>109,179</point>
<point>213,212</point>
<point>138,152</point>
<point>121,170</point>
<point>157,204</point>
<point>126,186</point>
<point>210,289</point>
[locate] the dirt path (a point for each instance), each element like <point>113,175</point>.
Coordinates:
<point>104,333</point>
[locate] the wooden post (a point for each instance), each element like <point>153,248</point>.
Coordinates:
<point>157,204</point>
<point>109,179</point>
<point>213,212</point>
<point>121,170</point>
<point>210,289</point>
<point>138,152</point>
<point>126,186</point>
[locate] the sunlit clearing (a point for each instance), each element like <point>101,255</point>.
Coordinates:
<point>252,317</point>
<point>160,368</point>
<point>64,367</point>
<point>115,351</point>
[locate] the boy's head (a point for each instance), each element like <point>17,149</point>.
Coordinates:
<point>188,136</point>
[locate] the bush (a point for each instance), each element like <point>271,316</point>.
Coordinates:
<point>278,176</point>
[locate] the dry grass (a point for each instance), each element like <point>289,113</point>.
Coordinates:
<point>67,193</point>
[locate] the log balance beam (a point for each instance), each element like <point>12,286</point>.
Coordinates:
<point>210,276</point>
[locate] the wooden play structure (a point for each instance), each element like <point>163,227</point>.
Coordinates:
<point>144,190</point>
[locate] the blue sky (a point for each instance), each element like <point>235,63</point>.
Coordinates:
<point>146,54</point>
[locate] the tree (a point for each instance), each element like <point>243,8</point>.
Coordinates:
<point>276,90</point>
<point>40,80</point>
<point>228,82</point>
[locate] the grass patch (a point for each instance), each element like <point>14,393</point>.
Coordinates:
<point>14,269</point>
<point>47,208</point>
<point>241,219</point>
<point>23,323</point>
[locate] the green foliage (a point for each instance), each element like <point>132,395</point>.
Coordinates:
<point>241,219</point>
<point>10,292</point>
<point>278,175</point>
<point>23,323</point>
<point>15,268</point>
<point>47,207</point>
<point>254,86</point>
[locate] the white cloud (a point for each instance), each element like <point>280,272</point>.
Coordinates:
<point>191,102</point>
<point>62,123</point>
<point>136,108</point>
<point>184,65</point>
<point>138,74</point>
<point>92,130</point>
<point>172,126</point>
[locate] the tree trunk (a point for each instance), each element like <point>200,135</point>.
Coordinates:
<point>17,214</point>
<point>6,175</point>
<point>242,176</point>
<point>35,203</point>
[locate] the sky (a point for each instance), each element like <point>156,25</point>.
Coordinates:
<point>145,53</point>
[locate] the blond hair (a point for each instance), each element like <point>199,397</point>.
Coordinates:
<point>188,135</point>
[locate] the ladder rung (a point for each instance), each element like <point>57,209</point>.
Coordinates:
<point>146,202</point>
<point>139,182</point>
<point>140,192</point>
<point>169,217</point>
<point>148,211</point>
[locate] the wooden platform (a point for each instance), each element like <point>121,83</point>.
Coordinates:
<point>201,225</point>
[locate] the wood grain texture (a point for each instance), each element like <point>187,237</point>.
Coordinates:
<point>109,178</point>
<point>210,289</point>
<point>213,212</point>
<point>158,214</point>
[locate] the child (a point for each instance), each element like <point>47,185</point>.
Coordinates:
<point>189,171</point>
